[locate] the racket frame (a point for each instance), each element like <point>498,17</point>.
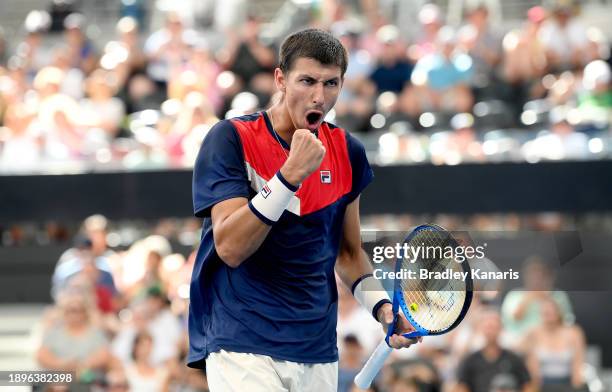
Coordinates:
<point>376,361</point>
<point>398,297</point>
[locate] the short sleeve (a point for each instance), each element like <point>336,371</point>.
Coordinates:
<point>464,370</point>
<point>511,302</point>
<point>49,339</point>
<point>98,339</point>
<point>219,172</point>
<point>565,306</point>
<point>577,35</point>
<point>362,172</point>
<point>521,371</point>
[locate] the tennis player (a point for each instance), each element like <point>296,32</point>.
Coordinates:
<point>279,194</point>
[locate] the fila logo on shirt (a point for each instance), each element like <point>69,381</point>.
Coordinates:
<point>326,177</point>
<point>265,191</point>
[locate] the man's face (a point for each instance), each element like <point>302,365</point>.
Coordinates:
<point>491,326</point>
<point>311,90</point>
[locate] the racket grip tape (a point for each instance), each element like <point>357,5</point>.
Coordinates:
<point>369,371</point>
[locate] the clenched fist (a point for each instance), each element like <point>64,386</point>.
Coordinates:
<point>305,156</point>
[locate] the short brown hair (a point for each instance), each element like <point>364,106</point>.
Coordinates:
<point>140,336</point>
<point>315,44</point>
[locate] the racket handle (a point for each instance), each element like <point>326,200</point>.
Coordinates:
<point>373,366</point>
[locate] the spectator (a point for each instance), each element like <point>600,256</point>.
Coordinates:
<point>246,55</point>
<point>370,39</point>
<point>164,324</point>
<point>125,58</point>
<point>32,50</point>
<point>72,80</point>
<point>74,344</point>
<point>194,120</point>
<point>521,309</point>
<point>127,29</point>
<point>392,72</point>
<point>565,39</point>
<point>431,20</point>
<point>141,374</point>
<point>350,362</point>
<point>149,154</point>
<point>405,385</point>
<point>198,75</point>
<point>464,141</point>
<point>13,84</point>
<point>115,381</point>
<point>168,48</point>
<point>101,109</point>
<point>20,143</point>
<point>135,10</point>
<point>478,370</point>
<point>481,43</point>
<point>94,229</point>
<point>153,316</point>
<point>143,94</point>
<point>524,55</point>
<point>556,351</point>
<point>469,338</point>
<point>595,99</point>
<point>57,118</point>
<point>440,80</point>
<point>172,275</point>
<point>562,142</point>
<point>416,372</point>
<point>82,262</point>
<point>354,105</point>
<point>139,272</point>
<point>524,61</point>
<point>82,51</point>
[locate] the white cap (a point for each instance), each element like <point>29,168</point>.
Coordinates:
<point>595,73</point>
<point>430,13</point>
<point>387,34</point>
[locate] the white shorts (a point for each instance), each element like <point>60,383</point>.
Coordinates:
<point>239,372</point>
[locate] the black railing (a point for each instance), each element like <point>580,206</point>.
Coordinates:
<point>570,187</point>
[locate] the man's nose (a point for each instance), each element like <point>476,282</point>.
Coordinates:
<point>318,95</point>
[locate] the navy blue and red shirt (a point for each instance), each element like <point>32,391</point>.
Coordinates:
<point>282,300</point>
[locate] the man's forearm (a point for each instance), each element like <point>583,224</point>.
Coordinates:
<point>355,272</point>
<point>350,266</point>
<point>239,235</point>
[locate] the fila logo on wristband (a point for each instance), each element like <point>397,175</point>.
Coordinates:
<point>265,191</point>
<point>271,201</point>
<point>326,177</point>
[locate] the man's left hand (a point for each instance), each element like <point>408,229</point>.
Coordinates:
<point>385,317</point>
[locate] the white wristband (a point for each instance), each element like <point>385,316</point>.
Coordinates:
<point>370,293</point>
<point>270,203</point>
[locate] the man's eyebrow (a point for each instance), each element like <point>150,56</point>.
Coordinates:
<point>302,76</point>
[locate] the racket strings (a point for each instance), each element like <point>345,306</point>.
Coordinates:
<point>434,303</point>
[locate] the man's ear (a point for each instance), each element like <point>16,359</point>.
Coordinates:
<point>279,80</point>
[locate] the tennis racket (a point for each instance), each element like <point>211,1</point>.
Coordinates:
<point>433,306</point>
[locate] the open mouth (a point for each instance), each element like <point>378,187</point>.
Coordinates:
<point>313,118</point>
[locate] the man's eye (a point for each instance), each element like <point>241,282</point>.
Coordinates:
<point>307,81</point>
<point>332,83</point>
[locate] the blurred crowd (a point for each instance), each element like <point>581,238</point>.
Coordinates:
<point>119,317</point>
<point>447,94</point>
<point>119,323</point>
